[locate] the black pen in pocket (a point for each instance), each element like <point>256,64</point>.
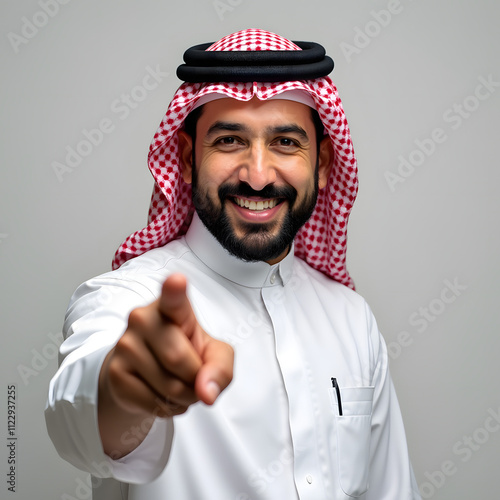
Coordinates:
<point>337,391</point>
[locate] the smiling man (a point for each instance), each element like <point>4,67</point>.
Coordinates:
<point>227,356</point>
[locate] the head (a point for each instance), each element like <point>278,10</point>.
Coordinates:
<point>256,64</point>
<point>256,168</point>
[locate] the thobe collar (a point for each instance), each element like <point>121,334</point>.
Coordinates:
<point>216,257</point>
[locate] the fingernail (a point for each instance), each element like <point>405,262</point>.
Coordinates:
<point>213,390</point>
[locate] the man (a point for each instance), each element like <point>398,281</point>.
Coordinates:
<point>226,356</point>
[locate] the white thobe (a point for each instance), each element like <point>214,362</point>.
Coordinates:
<point>276,432</point>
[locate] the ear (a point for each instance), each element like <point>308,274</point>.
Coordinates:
<point>325,161</point>
<point>186,155</point>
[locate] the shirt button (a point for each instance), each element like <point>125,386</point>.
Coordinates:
<point>309,478</point>
<point>273,279</point>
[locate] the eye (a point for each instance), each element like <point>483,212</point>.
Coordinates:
<point>286,144</point>
<point>228,142</point>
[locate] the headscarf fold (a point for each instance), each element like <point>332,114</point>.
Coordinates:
<point>322,241</point>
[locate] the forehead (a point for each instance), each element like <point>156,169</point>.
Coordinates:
<point>256,112</point>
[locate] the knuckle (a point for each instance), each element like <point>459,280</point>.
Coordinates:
<point>116,373</point>
<point>174,393</point>
<point>126,345</point>
<point>228,352</point>
<point>179,394</point>
<point>139,318</point>
<point>174,356</point>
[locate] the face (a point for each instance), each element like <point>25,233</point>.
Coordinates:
<point>256,175</point>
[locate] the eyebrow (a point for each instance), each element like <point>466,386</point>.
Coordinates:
<point>222,126</point>
<point>289,129</point>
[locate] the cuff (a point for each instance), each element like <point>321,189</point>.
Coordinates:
<point>71,418</point>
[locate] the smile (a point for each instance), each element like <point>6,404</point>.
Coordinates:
<point>256,205</point>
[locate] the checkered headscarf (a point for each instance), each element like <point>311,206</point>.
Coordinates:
<point>321,242</point>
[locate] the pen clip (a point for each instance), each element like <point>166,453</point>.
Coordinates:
<point>337,391</point>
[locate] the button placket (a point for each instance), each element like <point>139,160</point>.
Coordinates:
<point>288,353</point>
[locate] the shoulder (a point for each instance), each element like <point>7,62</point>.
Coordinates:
<point>154,265</point>
<point>156,259</point>
<point>326,286</point>
<point>141,276</point>
<point>340,303</point>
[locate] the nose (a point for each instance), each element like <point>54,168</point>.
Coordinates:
<point>258,169</point>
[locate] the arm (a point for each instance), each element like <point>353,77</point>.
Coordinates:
<point>391,474</point>
<point>163,363</point>
<point>95,324</point>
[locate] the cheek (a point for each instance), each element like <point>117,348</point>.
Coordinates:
<point>215,171</point>
<point>300,176</point>
<point>207,185</point>
<point>208,181</point>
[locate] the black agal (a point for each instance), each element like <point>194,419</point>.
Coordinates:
<point>254,66</point>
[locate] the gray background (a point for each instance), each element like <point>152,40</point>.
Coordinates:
<point>400,77</point>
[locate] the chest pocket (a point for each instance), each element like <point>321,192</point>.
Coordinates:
<point>353,438</point>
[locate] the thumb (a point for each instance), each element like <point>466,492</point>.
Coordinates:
<point>216,371</point>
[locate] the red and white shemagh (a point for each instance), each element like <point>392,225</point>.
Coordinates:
<point>321,242</point>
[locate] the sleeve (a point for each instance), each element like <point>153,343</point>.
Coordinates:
<point>391,474</point>
<point>96,318</point>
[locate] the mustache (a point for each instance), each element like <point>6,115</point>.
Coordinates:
<point>244,190</point>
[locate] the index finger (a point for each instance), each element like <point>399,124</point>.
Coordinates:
<point>174,303</point>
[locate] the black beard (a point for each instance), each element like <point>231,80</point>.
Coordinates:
<point>258,244</point>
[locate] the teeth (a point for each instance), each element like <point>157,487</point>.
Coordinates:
<point>256,205</point>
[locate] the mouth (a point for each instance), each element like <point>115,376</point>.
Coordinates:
<point>256,205</point>
<point>256,209</point>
